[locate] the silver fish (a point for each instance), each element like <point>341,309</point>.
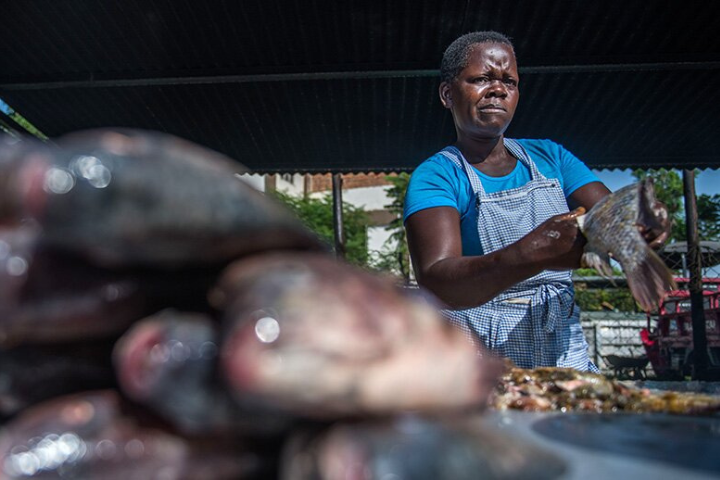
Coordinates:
<point>129,197</point>
<point>98,435</point>
<point>32,374</point>
<point>46,298</point>
<point>49,297</point>
<point>320,338</point>
<point>612,228</point>
<point>168,362</point>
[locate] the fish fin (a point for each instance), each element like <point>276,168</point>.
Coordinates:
<point>649,281</point>
<point>598,261</point>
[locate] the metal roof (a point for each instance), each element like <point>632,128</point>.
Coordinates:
<point>321,85</point>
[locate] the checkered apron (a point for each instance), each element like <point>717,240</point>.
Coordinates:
<point>535,323</point>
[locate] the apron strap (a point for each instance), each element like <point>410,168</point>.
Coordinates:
<point>454,154</point>
<point>519,152</point>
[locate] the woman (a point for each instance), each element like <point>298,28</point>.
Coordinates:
<point>488,220</point>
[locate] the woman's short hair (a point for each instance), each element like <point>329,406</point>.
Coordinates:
<point>458,52</point>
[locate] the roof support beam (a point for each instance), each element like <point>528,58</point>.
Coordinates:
<point>294,77</point>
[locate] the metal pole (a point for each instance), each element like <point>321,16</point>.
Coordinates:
<point>596,353</point>
<point>700,355</point>
<point>338,215</point>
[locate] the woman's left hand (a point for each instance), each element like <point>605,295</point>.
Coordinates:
<point>658,232</point>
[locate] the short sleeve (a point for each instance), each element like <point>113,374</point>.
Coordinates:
<point>554,160</point>
<point>574,172</point>
<point>434,183</point>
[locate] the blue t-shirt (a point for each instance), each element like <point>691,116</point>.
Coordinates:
<point>438,182</point>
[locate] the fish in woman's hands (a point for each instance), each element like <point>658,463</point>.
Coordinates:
<point>613,229</point>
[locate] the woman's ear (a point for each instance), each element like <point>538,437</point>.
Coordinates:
<point>445,94</point>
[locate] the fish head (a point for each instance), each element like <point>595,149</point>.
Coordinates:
<point>163,350</point>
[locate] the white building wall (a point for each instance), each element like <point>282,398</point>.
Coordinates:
<point>367,198</point>
<point>291,183</point>
<point>377,236</point>
<point>255,181</point>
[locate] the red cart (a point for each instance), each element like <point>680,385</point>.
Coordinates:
<point>668,336</point>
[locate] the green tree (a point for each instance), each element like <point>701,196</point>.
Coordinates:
<point>591,299</point>
<point>317,215</point>
<point>708,207</point>
<point>395,257</point>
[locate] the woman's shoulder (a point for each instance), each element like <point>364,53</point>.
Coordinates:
<point>438,162</point>
<point>438,167</point>
<point>554,160</point>
<point>437,182</point>
<point>549,152</point>
<point>543,146</point>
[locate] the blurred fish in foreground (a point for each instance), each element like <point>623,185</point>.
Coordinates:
<point>169,362</point>
<point>47,296</point>
<point>613,228</point>
<point>31,374</point>
<point>129,197</point>
<point>410,447</point>
<point>320,338</point>
<point>98,435</point>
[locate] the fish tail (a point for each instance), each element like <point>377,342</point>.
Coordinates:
<point>649,281</point>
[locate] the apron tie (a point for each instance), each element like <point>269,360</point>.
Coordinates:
<point>550,304</point>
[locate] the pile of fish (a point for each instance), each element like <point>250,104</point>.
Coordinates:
<point>159,318</point>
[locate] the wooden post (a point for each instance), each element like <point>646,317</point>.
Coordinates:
<point>270,183</point>
<point>338,215</point>
<point>700,355</point>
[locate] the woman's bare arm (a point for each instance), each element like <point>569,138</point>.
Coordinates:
<point>463,282</point>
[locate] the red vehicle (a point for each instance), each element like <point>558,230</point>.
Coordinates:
<point>668,336</point>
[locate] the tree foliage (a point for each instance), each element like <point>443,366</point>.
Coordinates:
<point>317,215</point>
<point>395,257</point>
<point>599,299</point>
<point>708,207</point>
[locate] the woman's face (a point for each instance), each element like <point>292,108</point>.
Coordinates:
<point>484,95</point>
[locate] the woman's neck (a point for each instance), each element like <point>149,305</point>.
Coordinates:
<point>489,156</point>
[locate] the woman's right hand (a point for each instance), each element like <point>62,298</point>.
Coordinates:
<point>556,244</point>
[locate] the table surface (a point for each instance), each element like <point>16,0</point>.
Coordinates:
<point>619,446</point>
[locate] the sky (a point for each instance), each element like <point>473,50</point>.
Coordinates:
<point>707,181</point>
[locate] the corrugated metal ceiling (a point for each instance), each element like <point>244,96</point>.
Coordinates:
<point>350,86</point>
